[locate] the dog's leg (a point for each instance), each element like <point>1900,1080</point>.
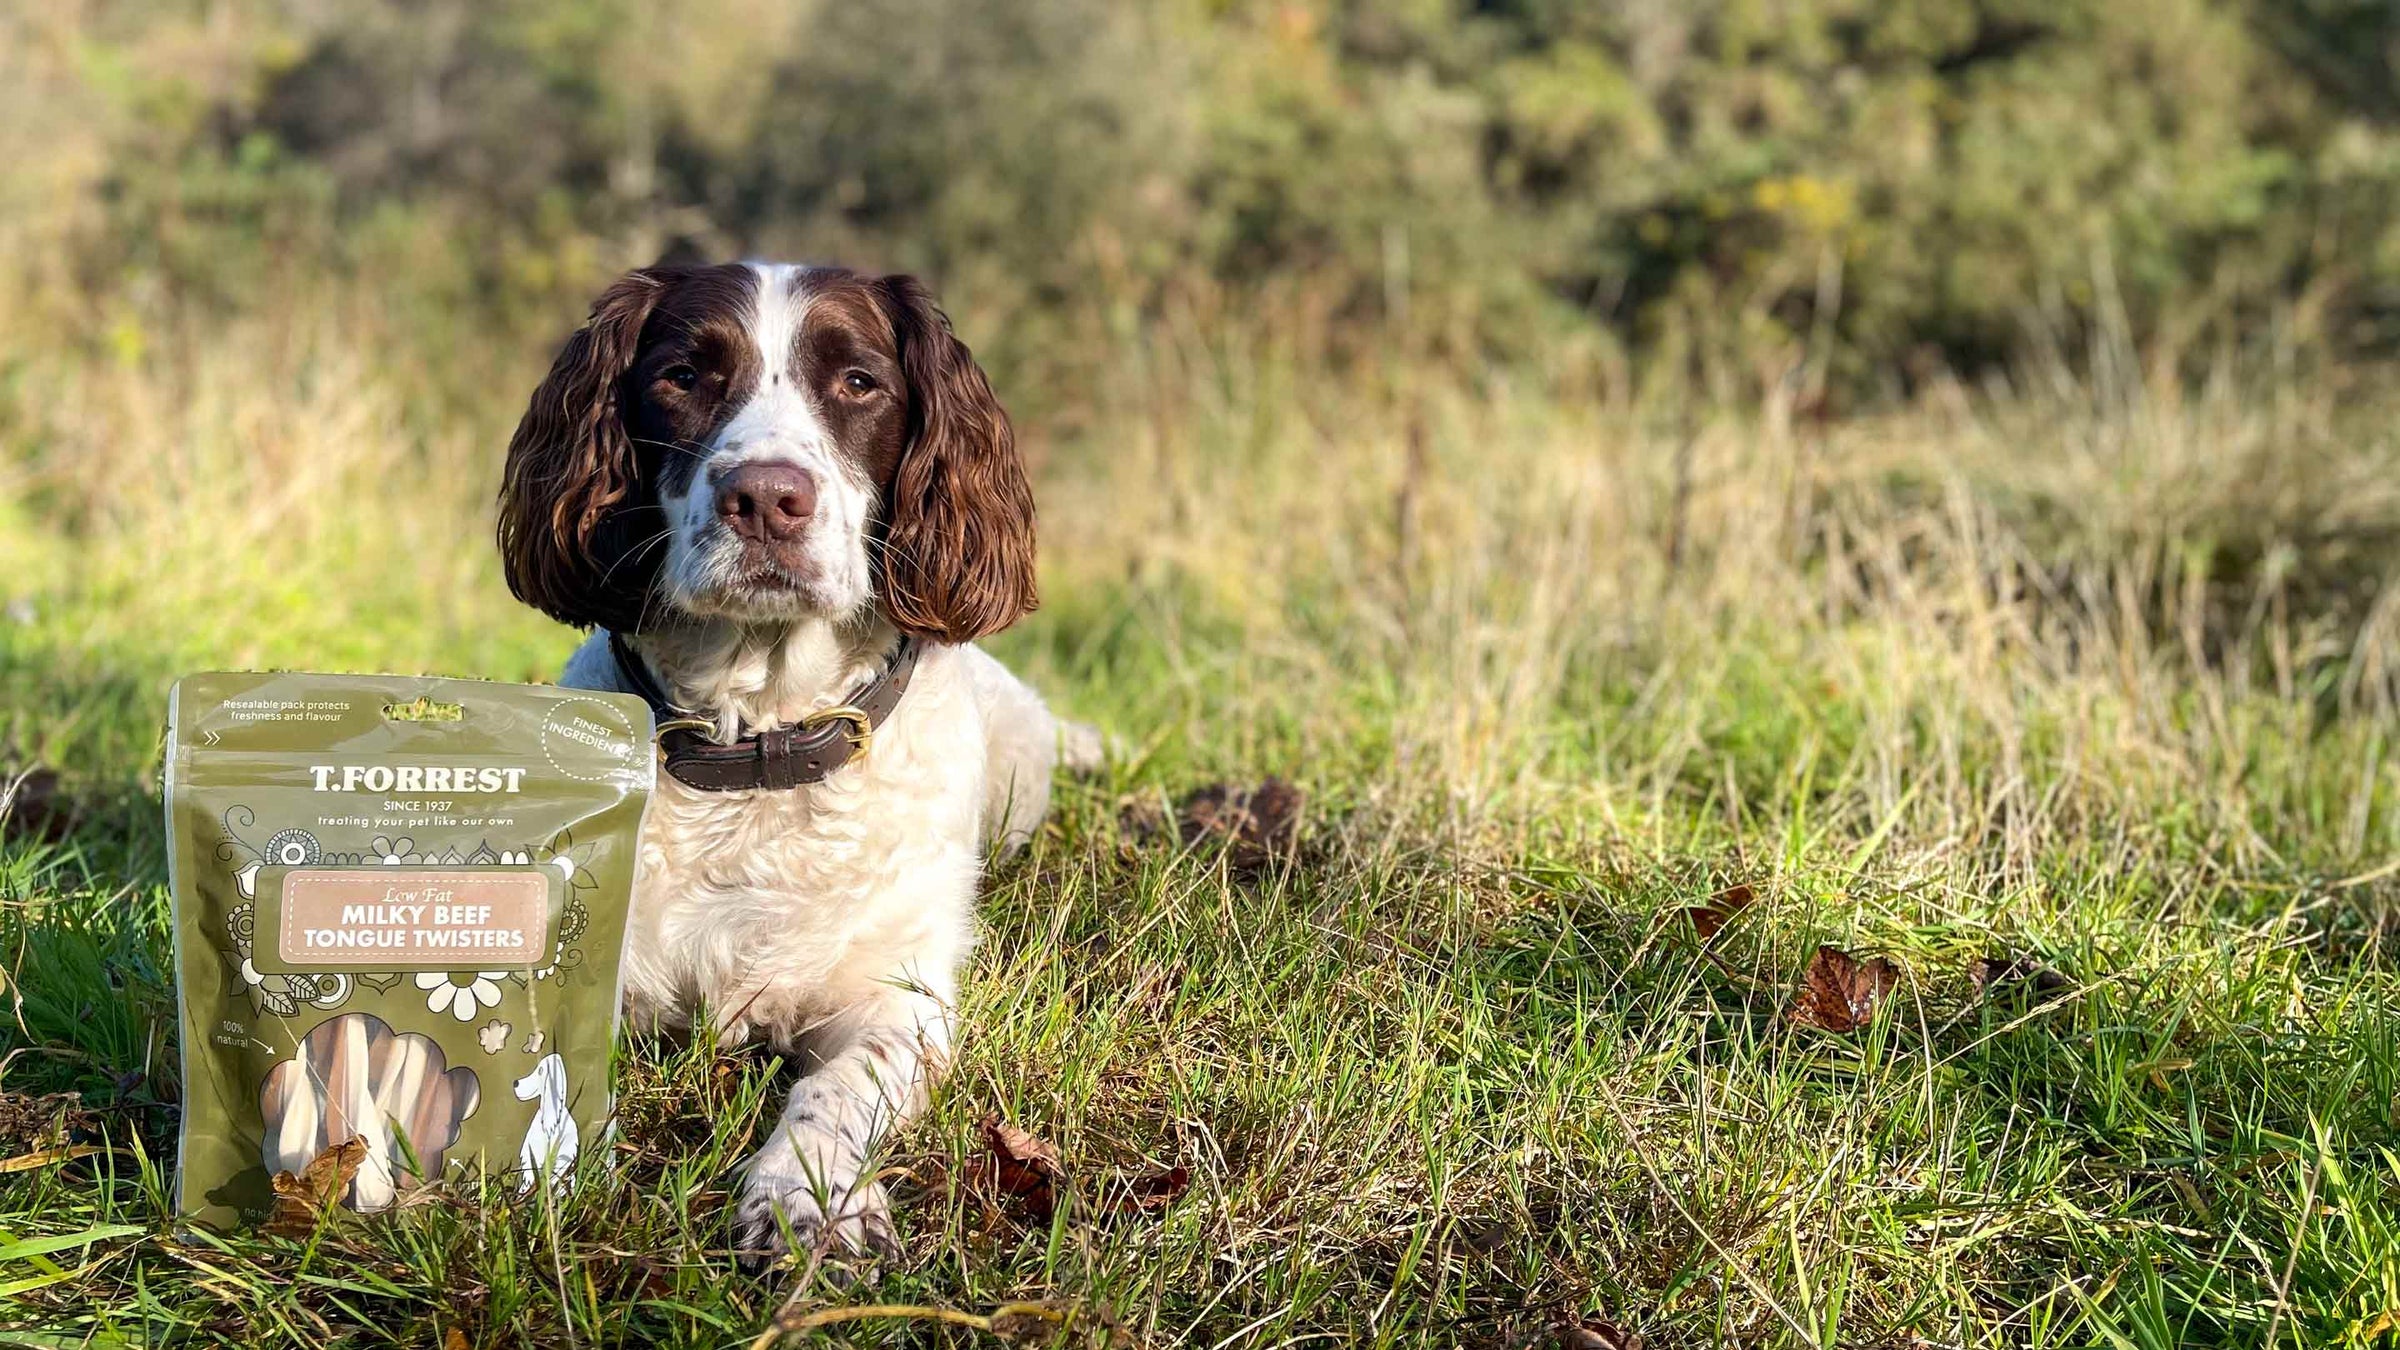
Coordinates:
<point>813,1176</point>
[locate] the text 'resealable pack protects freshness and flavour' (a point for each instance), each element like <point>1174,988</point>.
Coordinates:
<point>399,919</point>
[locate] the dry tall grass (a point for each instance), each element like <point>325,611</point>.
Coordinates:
<point>2147,595</point>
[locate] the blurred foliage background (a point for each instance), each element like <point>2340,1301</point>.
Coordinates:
<point>1861,195</point>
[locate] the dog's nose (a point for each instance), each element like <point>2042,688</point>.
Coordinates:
<point>768,501</point>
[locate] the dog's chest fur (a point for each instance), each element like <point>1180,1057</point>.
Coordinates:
<point>775,910</point>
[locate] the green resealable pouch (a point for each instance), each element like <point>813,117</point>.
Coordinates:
<point>399,918</point>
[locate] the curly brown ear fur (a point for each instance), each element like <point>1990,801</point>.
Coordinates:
<point>957,560</point>
<point>575,539</point>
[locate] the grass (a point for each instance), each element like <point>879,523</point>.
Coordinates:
<point>2097,683</point>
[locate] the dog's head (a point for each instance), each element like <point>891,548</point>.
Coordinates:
<point>768,443</point>
<point>547,1082</point>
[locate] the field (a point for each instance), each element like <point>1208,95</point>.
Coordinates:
<point>2070,699</point>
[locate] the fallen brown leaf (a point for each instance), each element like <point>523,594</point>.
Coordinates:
<point>1595,1333</point>
<point>1256,826</point>
<point>1150,1193</point>
<point>652,1281</point>
<point>1839,992</point>
<point>1024,1168</point>
<point>300,1201</point>
<point>1709,919</point>
<point>1993,974</point>
<point>1485,1236</point>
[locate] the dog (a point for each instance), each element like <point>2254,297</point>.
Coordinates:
<point>551,1140</point>
<point>788,503</point>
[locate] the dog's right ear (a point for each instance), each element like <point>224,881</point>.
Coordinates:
<point>572,479</point>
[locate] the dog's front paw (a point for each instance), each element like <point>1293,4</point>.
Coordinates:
<point>786,1206</point>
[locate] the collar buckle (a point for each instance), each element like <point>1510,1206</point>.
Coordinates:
<point>661,730</point>
<point>862,727</point>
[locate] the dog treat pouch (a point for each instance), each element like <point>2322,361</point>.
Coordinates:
<point>399,917</point>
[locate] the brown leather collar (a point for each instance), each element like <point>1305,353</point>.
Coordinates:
<point>779,757</point>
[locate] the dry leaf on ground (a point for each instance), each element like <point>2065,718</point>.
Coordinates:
<point>302,1199</point>
<point>1709,919</point>
<point>1256,826</point>
<point>1839,992</point>
<point>1595,1333</point>
<point>1992,975</point>
<point>1149,1193</point>
<point>1023,1167</point>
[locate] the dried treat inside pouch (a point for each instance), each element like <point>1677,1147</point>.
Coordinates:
<point>356,1078</point>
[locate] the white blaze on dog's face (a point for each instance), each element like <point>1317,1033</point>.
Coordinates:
<point>763,442</point>
<point>785,413</point>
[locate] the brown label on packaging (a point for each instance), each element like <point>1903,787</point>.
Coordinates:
<point>400,918</point>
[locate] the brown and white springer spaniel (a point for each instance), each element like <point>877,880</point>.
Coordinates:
<point>778,486</point>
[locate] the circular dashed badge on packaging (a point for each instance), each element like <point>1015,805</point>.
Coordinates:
<point>589,740</point>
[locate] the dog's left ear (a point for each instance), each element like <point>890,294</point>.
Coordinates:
<point>957,555</point>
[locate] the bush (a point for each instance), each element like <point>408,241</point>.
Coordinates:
<point>1872,189</point>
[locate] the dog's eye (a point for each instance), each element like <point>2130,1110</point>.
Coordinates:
<point>681,376</point>
<point>859,382</point>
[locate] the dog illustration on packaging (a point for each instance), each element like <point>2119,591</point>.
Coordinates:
<point>550,1142</point>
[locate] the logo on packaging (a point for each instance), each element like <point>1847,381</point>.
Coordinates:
<point>414,778</point>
